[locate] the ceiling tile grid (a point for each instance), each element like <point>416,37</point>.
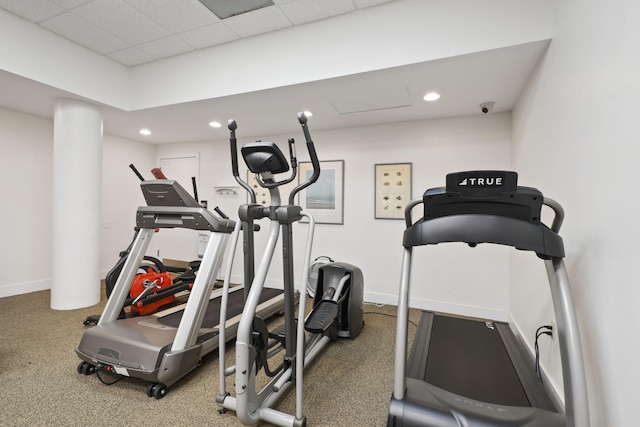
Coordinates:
<point>69,4</point>
<point>168,46</point>
<point>258,22</point>
<point>303,11</point>
<point>133,32</point>
<point>131,56</point>
<point>366,3</point>
<point>175,16</point>
<point>73,27</point>
<point>32,10</point>
<point>209,35</point>
<point>117,17</point>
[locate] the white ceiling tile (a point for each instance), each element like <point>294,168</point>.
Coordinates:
<point>366,3</point>
<point>131,56</point>
<point>77,29</point>
<point>258,22</point>
<point>175,15</point>
<point>210,35</point>
<point>33,10</point>
<point>117,17</point>
<point>303,11</point>
<point>165,47</point>
<point>69,4</point>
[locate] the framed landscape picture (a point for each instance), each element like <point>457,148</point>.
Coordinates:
<point>325,198</point>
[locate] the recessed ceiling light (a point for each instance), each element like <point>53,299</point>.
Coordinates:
<point>215,124</point>
<point>432,96</point>
<point>145,132</point>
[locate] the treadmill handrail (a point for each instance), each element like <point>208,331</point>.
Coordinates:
<point>182,217</point>
<point>475,228</point>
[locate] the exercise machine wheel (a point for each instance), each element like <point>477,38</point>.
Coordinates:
<point>157,390</point>
<point>86,368</point>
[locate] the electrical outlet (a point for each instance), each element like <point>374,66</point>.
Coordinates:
<point>554,331</point>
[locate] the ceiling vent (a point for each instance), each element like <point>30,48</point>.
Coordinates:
<point>225,8</point>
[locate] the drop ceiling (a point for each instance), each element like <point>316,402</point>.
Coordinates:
<point>134,33</point>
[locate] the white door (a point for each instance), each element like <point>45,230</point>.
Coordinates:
<point>176,243</point>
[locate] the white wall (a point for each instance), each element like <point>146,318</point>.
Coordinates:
<point>26,147</point>
<point>576,137</point>
<point>26,144</point>
<point>435,148</point>
<point>121,193</point>
<point>41,56</point>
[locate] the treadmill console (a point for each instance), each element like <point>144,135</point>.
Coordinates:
<point>483,192</point>
<point>166,192</point>
<point>482,183</point>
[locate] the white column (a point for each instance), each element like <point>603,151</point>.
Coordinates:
<point>77,200</point>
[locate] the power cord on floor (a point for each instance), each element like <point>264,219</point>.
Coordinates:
<point>542,330</point>
<point>377,305</point>
<point>110,371</point>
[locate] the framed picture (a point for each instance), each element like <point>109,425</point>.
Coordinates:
<point>393,189</point>
<point>324,199</point>
<point>263,196</point>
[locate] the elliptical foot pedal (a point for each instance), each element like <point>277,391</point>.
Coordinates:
<point>321,317</point>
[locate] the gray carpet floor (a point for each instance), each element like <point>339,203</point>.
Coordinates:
<point>348,385</point>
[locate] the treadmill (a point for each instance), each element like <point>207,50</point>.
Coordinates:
<point>463,372</point>
<point>163,347</point>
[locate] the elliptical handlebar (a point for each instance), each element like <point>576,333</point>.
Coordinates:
<point>232,125</point>
<point>302,118</point>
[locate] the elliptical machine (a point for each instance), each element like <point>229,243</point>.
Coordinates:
<point>337,307</point>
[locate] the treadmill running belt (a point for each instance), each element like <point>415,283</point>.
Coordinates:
<point>212,315</point>
<point>468,358</point>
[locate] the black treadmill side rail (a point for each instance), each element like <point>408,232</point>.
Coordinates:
<point>531,385</point>
<point>417,361</point>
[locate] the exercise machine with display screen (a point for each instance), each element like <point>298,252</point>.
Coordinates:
<point>462,372</point>
<point>162,347</point>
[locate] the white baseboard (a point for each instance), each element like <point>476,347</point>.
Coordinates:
<point>439,306</point>
<point>378,298</point>
<point>12,289</point>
